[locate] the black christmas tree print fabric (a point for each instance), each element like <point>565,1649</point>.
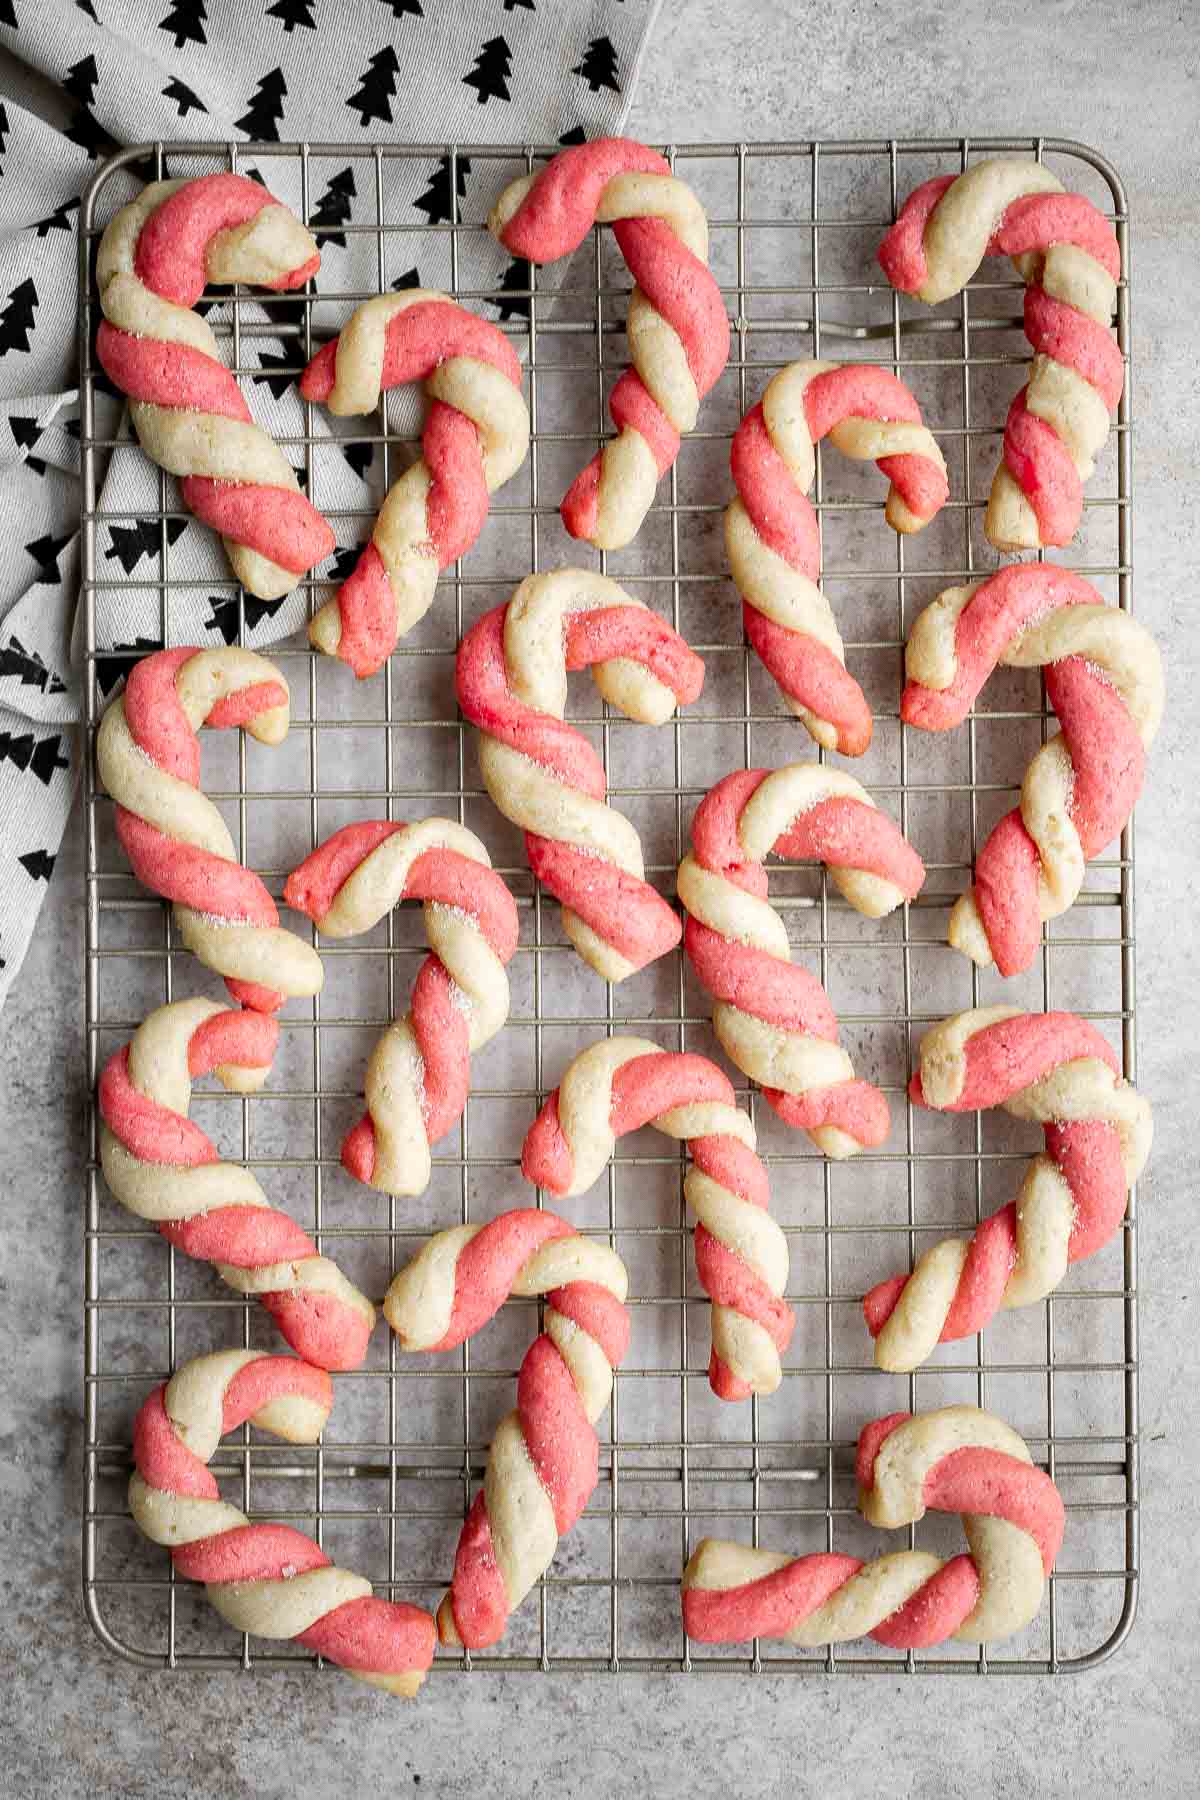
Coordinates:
<point>240,71</point>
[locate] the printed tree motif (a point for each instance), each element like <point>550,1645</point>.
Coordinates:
<point>437,202</point>
<point>185,22</point>
<point>113,665</point>
<point>84,129</point>
<point>4,131</point>
<point>410,279</point>
<point>129,543</point>
<point>517,275</point>
<point>359,456</point>
<point>576,135</point>
<point>344,561</point>
<point>26,433</point>
<point>28,668</point>
<point>401,7</point>
<point>42,755</point>
<point>58,221</point>
<point>85,6</point>
<point>16,320</point>
<point>184,98</point>
<point>489,76</point>
<point>279,372</point>
<point>333,208</point>
<point>599,66</point>
<point>263,116</point>
<point>373,97</point>
<point>45,552</point>
<point>225,614</point>
<point>7,17</point>
<point>511,5</point>
<point>292,13</point>
<point>38,863</point>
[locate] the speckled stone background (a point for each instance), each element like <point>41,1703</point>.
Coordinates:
<point>73,1721</point>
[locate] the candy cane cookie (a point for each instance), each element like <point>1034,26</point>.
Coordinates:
<point>1052,1069</point>
<point>155,259</point>
<point>269,1580</point>
<point>624,1083</point>
<point>771,1016</point>
<point>162,1167</point>
<point>956,1460</point>
<point>544,1460</point>
<point>148,757</point>
<point>1104,680</point>
<point>419,1072</point>
<point>1067,254</point>
<point>773,538</point>
<point>475,439</point>
<point>677,324</point>
<point>542,774</point>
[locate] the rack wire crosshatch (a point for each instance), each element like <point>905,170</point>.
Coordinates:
<point>794,228</point>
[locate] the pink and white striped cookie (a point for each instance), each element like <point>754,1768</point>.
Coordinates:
<point>148,757</point>
<point>1067,254</point>
<point>773,539</point>
<point>269,1580</point>
<point>956,1460</point>
<point>419,1072</point>
<point>1059,1072</point>
<point>771,1016</point>
<point>475,439</point>
<point>544,1460</point>
<point>162,1167</point>
<point>155,259</point>
<point>511,679</point>
<point>677,324</point>
<point>623,1083</point>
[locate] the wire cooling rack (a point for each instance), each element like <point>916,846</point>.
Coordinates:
<point>794,230</point>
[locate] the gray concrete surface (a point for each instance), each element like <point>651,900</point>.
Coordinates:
<point>72,1721</point>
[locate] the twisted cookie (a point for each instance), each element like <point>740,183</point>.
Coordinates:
<point>270,1580</point>
<point>774,540</point>
<point>956,1460</point>
<point>544,1459</point>
<point>419,1071</point>
<point>155,259</point>
<point>1067,254</point>
<point>1104,680</point>
<point>511,678</point>
<point>624,1083</point>
<point>162,1167</point>
<point>148,756</point>
<point>772,1018</point>
<point>475,437</point>
<point>678,329</point>
<point>1052,1068</point>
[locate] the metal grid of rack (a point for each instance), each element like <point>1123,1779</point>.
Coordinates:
<point>793,229</point>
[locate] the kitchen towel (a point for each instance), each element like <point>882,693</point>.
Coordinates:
<point>241,71</point>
